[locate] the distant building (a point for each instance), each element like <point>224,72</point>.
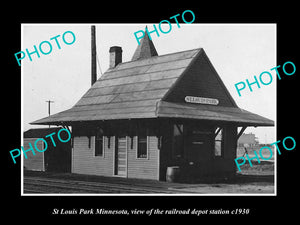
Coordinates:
<point>247,140</point>
<point>54,159</point>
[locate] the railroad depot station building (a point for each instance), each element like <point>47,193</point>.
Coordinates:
<point>153,112</point>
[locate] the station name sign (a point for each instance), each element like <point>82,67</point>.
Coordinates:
<point>200,100</point>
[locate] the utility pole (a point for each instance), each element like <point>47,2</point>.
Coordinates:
<point>94,55</point>
<point>49,107</point>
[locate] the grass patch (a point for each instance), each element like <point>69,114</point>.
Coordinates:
<point>262,168</point>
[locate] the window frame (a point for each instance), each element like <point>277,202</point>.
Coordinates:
<point>137,146</point>
<point>103,144</point>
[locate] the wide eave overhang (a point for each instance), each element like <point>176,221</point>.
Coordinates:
<point>217,114</point>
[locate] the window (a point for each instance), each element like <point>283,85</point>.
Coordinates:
<point>142,144</point>
<point>99,142</point>
<point>219,142</point>
<point>178,140</point>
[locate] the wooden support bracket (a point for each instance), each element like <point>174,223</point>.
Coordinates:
<point>241,132</point>
<point>218,131</point>
<point>178,127</point>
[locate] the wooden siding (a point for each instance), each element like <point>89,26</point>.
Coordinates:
<point>84,160</point>
<point>33,162</point>
<point>147,168</point>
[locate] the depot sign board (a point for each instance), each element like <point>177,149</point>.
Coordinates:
<point>200,100</point>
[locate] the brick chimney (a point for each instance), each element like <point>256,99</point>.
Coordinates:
<point>115,56</point>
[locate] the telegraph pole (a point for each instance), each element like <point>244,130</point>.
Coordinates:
<point>94,55</point>
<point>49,107</point>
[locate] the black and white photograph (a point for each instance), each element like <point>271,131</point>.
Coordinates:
<point>156,112</point>
<point>128,109</point>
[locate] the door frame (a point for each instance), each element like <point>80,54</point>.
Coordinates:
<point>114,157</point>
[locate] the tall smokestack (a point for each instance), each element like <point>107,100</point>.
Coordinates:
<point>94,55</point>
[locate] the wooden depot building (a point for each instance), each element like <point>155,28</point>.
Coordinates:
<point>153,112</point>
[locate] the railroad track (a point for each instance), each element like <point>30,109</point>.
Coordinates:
<point>50,185</point>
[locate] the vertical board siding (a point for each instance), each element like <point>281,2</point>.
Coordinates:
<point>33,162</point>
<point>147,168</point>
<point>84,160</point>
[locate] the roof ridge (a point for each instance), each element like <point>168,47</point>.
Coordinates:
<point>140,60</point>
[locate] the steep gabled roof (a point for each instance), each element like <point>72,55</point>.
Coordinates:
<point>130,90</point>
<point>155,87</point>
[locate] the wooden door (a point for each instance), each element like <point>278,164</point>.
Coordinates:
<point>199,146</point>
<point>121,156</point>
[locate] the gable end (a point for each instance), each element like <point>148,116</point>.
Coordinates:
<point>200,79</point>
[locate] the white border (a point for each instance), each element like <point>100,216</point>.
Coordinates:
<point>22,115</point>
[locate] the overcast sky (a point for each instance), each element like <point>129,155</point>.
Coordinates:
<point>237,51</point>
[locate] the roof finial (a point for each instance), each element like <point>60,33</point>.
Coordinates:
<point>145,49</point>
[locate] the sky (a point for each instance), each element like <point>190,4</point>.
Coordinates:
<point>237,51</point>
